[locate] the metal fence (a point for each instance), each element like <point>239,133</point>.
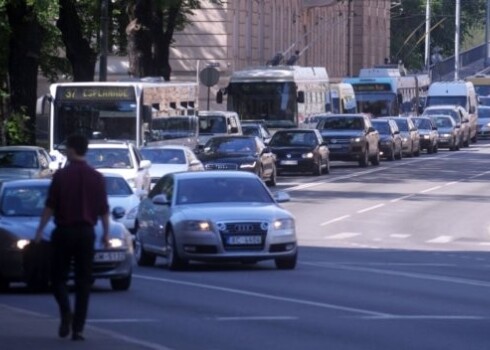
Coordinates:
<point>467,57</point>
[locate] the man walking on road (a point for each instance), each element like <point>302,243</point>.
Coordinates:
<point>76,198</point>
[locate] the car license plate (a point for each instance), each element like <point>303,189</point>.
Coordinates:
<point>244,240</point>
<point>289,162</point>
<point>334,146</point>
<point>109,256</point>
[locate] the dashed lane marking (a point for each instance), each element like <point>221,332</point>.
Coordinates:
<point>371,208</point>
<point>430,189</point>
<point>441,239</point>
<point>340,218</point>
<point>343,235</point>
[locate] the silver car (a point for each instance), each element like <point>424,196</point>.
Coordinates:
<point>214,216</point>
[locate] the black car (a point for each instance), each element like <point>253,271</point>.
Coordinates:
<point>429,136</point>
<point>350,137</point>
<point>410,135</point>
<point>449,132</point>
<point>247,153</point>
<point>300,150</point>
<point>390,141</point>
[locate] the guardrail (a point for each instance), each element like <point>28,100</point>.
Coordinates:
<point>465,58</point>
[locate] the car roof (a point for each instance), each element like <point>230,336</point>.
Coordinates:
<point>214,174</point>
<point>24,182</point>
<point>444,107</point>
<point>112,175</point>
<point>180,147</point>
<point>108,144</point>
<point>20,148</point>
<point>298,130</point>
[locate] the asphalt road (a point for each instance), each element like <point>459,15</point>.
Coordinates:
<point>391,257</point>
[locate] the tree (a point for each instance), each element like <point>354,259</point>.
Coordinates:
<point>408,27</point>
<point>150,33</point>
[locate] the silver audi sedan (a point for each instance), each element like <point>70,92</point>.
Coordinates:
<point>214,216</point>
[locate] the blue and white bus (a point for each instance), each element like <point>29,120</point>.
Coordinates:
<point>386,91</point>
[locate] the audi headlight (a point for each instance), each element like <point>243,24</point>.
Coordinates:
<point>446,135</point>
<point>116,243</point>
<point>132,213</point>
<point>405,139</point>
<point>355,139</point>
<point>426,137</point>
<point>22,243</point>
<point>308,155</point>
<point>284,226</point>
<point>248,165</point>
<point>197,225</point>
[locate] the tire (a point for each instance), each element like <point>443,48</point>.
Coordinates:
<point>143,258</point>
<point>436,148</point>
<point>474,139</point>
<point>121,284</point>
<point>287,263</point>
<point>376,159</point>
<point>363,162</point>
<point>399,156</point>
<point>467,142</point>
<point>410,155</point>
<point>327,167</point>
<point>318,169</point>
<point>417,152</point>
<point>174,261</point>
<point>273,179</point>
<point>4,284</point>
<point>392,155</point>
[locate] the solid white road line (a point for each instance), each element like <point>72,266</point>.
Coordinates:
<point>343,235</point>
<point>263,295</point>
<point>441,239</point>
<point>400,235</point>
<point>120,320</point>
<point>257,318</point>
<point>370,208</point>
<point>402,198</point>
<point>427,317</point>
<point>430,189</point>
<point>451,183</point>
<point>335,220</point>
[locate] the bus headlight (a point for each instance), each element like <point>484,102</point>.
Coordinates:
<point>308,155</point>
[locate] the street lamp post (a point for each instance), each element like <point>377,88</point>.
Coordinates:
<point>104,29</point>
<point>427,36</point>
<point>456,40</point>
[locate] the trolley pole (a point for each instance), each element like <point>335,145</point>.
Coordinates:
<point>427,36</point>
<point>456,40</point>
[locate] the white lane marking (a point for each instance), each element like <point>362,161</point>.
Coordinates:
<point>340,218</point>
<point>343,235</point>
<point>426,317</point>
<point>400,235</point>
<point>263,295</point>
<point>430,189</point>
<point>120,320</point>
<point>115,335</point>
<point>420,276</point>
<point>257,318</point>
<point>484,243</point>
<point>371,208</point>
<point>451,183</point>
<point>441,239</point>
<point>402,198</point>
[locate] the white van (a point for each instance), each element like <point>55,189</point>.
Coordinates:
<point>213,123</point>
<point>342,99</point>
<point>461,93</point>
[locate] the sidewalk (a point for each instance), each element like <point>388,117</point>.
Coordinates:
<point>21,329</point>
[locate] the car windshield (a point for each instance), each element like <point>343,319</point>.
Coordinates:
<point>117,186</point>
<point>221,189</point>
<point>18,159</point>
<point>164,155</point>
<point>285,139</point>
<point>215,124</point>
<point>23,200</point>
<point>343,123</point>
<point>402,124</point>
<point>423,124</point>
<point>442,122</point>
<point>382,127</point>
<point>449,112</point>
<point>483,113</point>
<point>250,130</point>
<point>230,145</point>
<point>109,158</point>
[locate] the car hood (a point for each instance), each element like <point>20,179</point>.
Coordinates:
<point>15,173</point>
<point>227,158</point>
<point>279,151</point>
<point>234,212</point>
<point>424,132</point>
<point>127,202</point>
<point>25,228</point>
<point>342,133</point>
<point>159,170</point>
<point>128,174</point>
<point>445,130</point>
<point>385,137</point>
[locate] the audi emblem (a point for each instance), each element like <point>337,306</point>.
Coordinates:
<point>288,156</point>
<point>333,141</point>
<point>244,227</point>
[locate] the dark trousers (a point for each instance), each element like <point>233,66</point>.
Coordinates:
<point>73,245</point>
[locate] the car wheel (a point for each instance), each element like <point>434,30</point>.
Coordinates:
<point>376,159</point>
<point>286,263</point>
<point>363,162</point>
<point>4,284</point>
<point>318,169</point>
<point>474,139</point>
<point>436,148</point>
<point>467,142</point>
<point>417,152</point>
<point>399,156</point>
<point>327,167</point>
<point>392,155</point>
<point>143,258</point>
<point>121,284</point>
<point>273,178</point>
<point>174,261</point>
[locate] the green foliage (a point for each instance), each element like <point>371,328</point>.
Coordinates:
<point>408,16</point>
<point>15,128</point>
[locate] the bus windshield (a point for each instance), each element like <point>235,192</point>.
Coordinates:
<point>275,103</point>
<point>377,104</point>
<point>446,100</point>
<point>96,120</point>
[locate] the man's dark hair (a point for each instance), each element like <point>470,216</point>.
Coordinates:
<point>78,143</point>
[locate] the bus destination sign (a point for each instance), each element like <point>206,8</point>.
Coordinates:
<point>371,87</point>
<point>96,93</point>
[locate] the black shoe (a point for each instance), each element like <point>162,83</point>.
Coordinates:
<point>65,325</point>
<point>77,336</point>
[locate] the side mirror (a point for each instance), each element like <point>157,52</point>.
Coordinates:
<point>397,132</point>
<point>118,213</point>
<point>371,129</point>
<point>457,126</point>
<point>281,197</point>
<point>194,162</point>
<point>145,164</point>
<point>301,97</point>
<point>161,199</point>
<point>434,128</point>
<point>219,97</point>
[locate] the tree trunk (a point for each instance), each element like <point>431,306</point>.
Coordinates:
<point>139,38</point>
<point>163,40</point>
<point>78,51</point>
<point>24,50</point>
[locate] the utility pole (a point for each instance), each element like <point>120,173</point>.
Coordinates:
<point>487,36</point>
<point>456,40</point>
<point>350,38</point>
<point>104,32</point>
<point>427,36</point>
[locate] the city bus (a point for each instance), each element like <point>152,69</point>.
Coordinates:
<point>481,83</point>
<point>281,96</point>
<point>388,91</point>
<point>128,111</point>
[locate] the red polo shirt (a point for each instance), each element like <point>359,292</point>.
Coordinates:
<point>77,195</point>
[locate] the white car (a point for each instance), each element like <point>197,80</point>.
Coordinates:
<point>123,201</point>
<point>123,158</point>
<point>170,159</point>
